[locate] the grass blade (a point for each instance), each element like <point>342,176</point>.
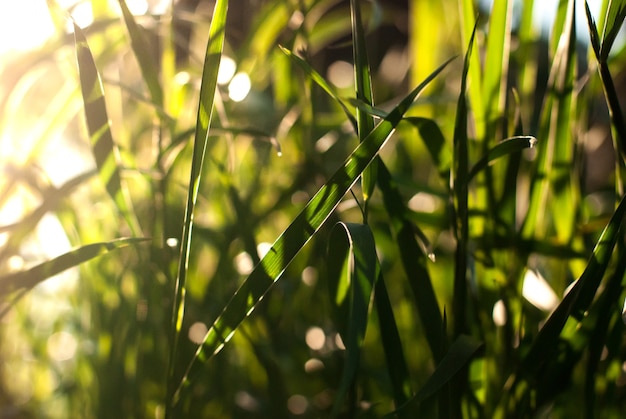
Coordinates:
<point>390,337</point>
<point>104,149</point>
<point>141,48</point>
<point>506,147</point>
<point>615,15</point>
<point>414,262</point>
<point>578,298</point>
<point>352,272</point>
<point>321,82</point>
<point>363,83</point>
<point>29,278</point>
<point>205,108</point>
<point>293,239</point>
<point>457,358</point>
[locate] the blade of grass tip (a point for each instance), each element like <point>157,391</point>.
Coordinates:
<point>212,59</point>
<point>105,152</point>
<point>506,147</point>
<point>29,278</point>
<point>578,298</point>
<point>414,263</point>
<point>459,186</point>
<point>321,82</point>
<point>352,272</point>
<point>141,49</point>
<point>612,98</point>
<point>363,83</point>
<point>615,16</point>
<point>294,238</point>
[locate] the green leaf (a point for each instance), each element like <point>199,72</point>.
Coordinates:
<point>508,146</point>
<point>363,83</point>
<point>457,357</point>
<point>615,15</point>
<point>141,49</point>
<point>390,337</point>
<point>352,272</point>
<point>578,299</point>
<point>435,143</point>
<point>29,278</point>
<point>321,82</point>
<point>414,261</point>
<point>293,239</point>
<point>208,87</point>
<point>104,149</point>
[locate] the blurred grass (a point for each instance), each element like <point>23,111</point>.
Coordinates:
<point>456,209</point>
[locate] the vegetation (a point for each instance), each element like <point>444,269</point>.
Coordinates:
<point>437,235</point>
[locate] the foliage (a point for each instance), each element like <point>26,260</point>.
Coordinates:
<point>437,235</point>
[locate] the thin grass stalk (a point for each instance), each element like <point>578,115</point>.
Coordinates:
<point>205,109</point>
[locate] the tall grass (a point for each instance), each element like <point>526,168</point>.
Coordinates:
<point>439,236</point>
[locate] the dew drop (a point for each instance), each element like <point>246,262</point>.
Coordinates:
<point>432,257</point>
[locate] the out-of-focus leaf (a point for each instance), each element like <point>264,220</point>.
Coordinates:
<point>293,239</point>
<point>352,272</point>
<point>435,144</point>
<point>104,149</point>
<point>321,82</point>
<point>457,357</point>
<point>37,274</point>
<point>141,49</point>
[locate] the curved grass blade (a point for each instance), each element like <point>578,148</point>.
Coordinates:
<point>29,278</point>
<point>293,239</point>
<point>321,82</point>
<point>104,149</point>
<point>457,358</point>
<point>363,83</point>
<point>508,146</point>
<point>141,48</point>
<point>352,273</point>
<point>205,109</point>
<point>578,299</point>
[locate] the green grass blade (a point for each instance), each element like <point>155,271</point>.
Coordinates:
<point>392,345</point>
<point>104,149</point>
<point>506,147</point>
<point>321,82</point>
<point>293,239</point>
<point>141,49</point>
<point>414,262</point>
<point>363,83</point>
<point>435,144</point>
<point>615,16</point>
<point>578,298</point>
<point>29,278</point>
<point>205,109</point>
<point>458,357</point>
<point>352,273</point>
<point>459,182</point>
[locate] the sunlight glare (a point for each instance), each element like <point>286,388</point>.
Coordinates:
<point>239,87</point>
<point>62,346</point>
<point>24,25</point>
<point>226,71</point>
<point>315,338</point>
<point>538,292</point>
